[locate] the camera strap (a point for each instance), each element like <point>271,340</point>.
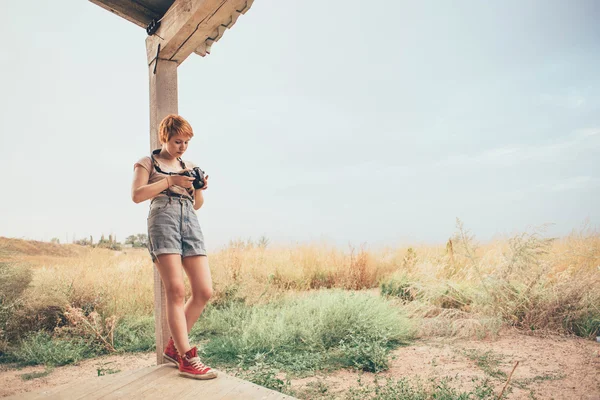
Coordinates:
<point>157,168</point>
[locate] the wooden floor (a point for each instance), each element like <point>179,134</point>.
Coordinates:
<point>157,382</point>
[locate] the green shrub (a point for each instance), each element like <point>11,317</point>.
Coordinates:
<point>587,325</point>
<point>14,279</point>
<point>35,375</point>
<point>365,353</point>
<point>227,296</point>
<point>399,288</point>
<point>40,348</point>
<point>321,279</point>
<point>264,375</point>
<point>324,328</point>
<point>134,334</point>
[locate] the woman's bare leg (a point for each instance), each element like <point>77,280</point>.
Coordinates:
<point>169,268</point>
<point>198,272</point>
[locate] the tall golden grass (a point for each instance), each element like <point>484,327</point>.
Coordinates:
<point>461,287</point>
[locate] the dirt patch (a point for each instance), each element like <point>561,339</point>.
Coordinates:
<point>549,368</point>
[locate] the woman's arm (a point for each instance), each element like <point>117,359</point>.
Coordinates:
<point>141,190</point>
<point>198,199</point>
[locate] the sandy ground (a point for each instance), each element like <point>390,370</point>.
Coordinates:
<point>549,368</point>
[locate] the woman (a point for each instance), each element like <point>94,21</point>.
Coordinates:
<point>175,239</point>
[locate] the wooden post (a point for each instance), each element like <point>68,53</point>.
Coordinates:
<point>187,26</point>
<point>163,101</point>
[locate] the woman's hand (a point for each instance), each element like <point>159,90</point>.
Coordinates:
<point>181,181</point>
<point>205,183</point>
<point>199,195</point>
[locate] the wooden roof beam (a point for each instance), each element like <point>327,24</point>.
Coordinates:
<point>130,10</point>
<point>204,48</point>
<point>188,24</point>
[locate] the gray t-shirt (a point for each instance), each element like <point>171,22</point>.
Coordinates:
<point>146,162</point>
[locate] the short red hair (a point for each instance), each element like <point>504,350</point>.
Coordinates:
<point>173,125</point>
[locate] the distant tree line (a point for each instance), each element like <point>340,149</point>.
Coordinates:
<point>139,240</point>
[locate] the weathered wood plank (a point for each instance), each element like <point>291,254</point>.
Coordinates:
<point>120,380</point>
<point>167,386</point>
<point>242,390</point>
<point>216,392</point>
<point>130,10</point>
<point>213,27</point>
<point>178,25</point>
<point>273,395</point>
<point>158,382</point>
<point>163,101</point>
<point>131,389</point>
<point>223,383</point>
<point>84,386</point>
<point>76,389</point>
<point>228,387</point>
<point>250,391</point>
<point>205,47</point>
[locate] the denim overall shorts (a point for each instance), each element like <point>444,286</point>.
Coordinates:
<point>173,228</point>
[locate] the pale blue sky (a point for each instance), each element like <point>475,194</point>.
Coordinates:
<point>347,121</point>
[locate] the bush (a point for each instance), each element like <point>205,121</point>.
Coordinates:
<point>42,314</point>
<point>452,297</point>
<point>366,353</point>
<point>586,325</point>
<point>325,328</point>
<point>263,375</point>
<point>399,288</point>
<point>135,334</point>
<point>14,279</point>
<point>41,348</point>
<point>227,296</point>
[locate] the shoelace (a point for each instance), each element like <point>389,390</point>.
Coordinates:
<point>197,364</point>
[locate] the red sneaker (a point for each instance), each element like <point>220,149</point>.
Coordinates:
<point>190,366</point>
<point>171,354</point>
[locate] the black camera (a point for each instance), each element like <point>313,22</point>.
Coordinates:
<point>198,176</point>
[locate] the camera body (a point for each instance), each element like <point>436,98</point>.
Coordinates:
<point>198,176</point>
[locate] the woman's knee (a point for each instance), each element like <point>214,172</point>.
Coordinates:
<point>203,295</point>
<point>176,292</point>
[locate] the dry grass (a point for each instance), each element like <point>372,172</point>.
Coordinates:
<point>10,247</point>
<point>462,288</point>
<point>98,279</point>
